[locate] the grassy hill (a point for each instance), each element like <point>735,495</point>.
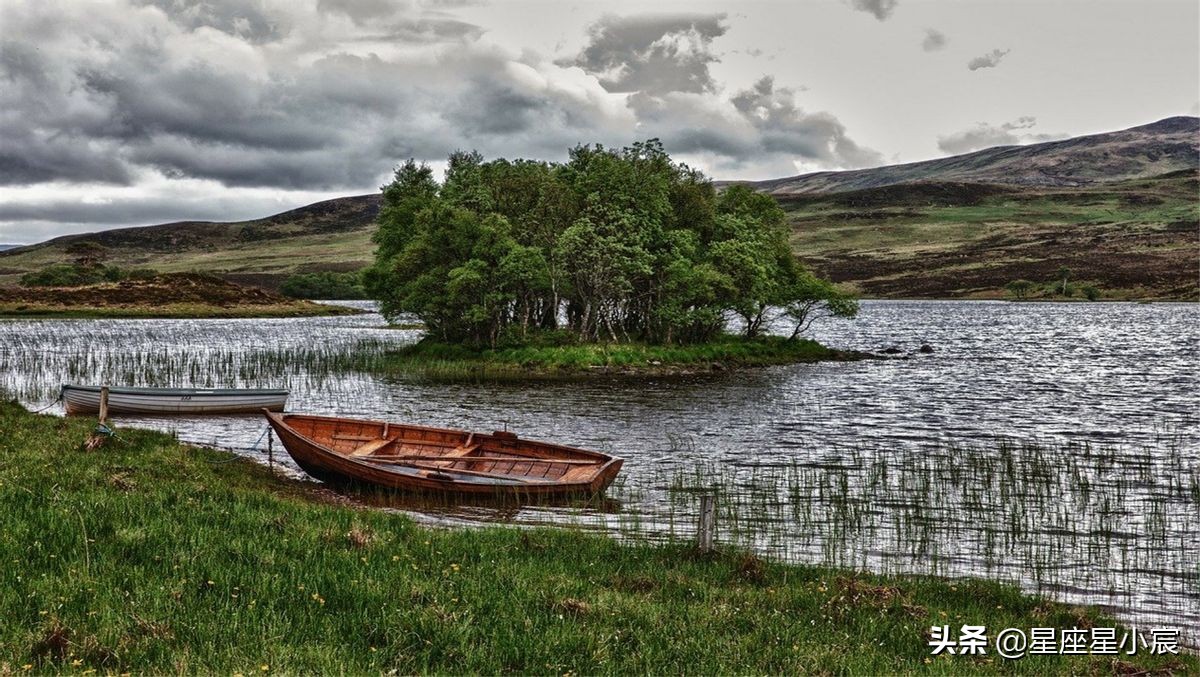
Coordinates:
<point>1130,239</point>
<point>1149,150</point>
<point>1119,209</point>
<point>333,235</point>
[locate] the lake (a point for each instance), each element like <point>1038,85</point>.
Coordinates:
<point>1054,445</point>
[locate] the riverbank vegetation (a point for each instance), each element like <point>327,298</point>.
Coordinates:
<point>1059,289</point>
<point>114,562</point>
<point>447,361</point>
<point>179,295</point>
<point>614,246</point>
<point>324,285</point>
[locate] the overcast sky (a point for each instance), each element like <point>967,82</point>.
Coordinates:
<point>133,112</point>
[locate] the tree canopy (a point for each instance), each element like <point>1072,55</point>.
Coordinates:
<point>613,245</point>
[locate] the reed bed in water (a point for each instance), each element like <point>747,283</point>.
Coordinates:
<point>150,556</point>
<point>34,372</point>
<point>1089,524</point>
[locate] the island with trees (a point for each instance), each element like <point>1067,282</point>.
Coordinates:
<point>618,259</point>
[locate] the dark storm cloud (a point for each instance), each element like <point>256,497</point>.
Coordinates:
<point>934,40</point>
<point>658,53</point>
<point>184,88</point>
<point>784,126</point>
<point>766,126</point>
<point>882,9</point>
<point>112,113</point>
<point>984,135</point>
<point>989,60</point>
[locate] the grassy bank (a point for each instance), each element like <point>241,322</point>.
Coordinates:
<point>172,311</point>
<point>151,556</point>
<point>441,360</point>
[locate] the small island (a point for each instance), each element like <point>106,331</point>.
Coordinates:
<point>617,261</point>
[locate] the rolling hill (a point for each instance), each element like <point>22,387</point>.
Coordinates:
<point>333,235</point>
<point>1149,150</point>
<point>1119,209</point>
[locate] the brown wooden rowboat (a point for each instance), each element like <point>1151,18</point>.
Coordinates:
<point>439,460</point>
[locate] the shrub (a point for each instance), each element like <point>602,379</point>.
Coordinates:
<point>325,285</point>
<point>1020,288</point>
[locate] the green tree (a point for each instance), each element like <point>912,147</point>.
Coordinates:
<point>811,298</point>
<point>1064,274</point>
<point>324,285</point>
<point>621,245</point>
<point>1020,288</point>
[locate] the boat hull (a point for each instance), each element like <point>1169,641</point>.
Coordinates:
<point>328,465</point>
<point>173,401</point>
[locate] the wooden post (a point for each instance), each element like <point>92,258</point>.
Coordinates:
<point>101,434</point>
<point>707,522</point>
<point>103,404</point>
<point>270,450</point>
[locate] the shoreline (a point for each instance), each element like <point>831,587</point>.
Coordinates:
<point>612,360</point>
<point>170,312</point>
<point>297,581</point>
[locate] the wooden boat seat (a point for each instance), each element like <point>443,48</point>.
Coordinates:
<point>353,438</point>
<point>578,473</point>
<point>371,447</point>
<point>458,452</point>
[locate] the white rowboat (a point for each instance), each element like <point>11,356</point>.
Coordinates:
<point>86,400</point>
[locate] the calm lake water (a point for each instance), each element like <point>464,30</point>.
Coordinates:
<point>1050,445</point>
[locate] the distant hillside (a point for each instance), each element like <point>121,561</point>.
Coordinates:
<point>1119,209</point>
<point>8,246</point>
<point>330,235</point>
<point>1133,239</point>
<point>1165,146</point>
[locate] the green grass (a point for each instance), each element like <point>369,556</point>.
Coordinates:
<point>151,556</point>
<point>449,361</point>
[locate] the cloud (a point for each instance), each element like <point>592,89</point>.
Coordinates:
<point>662,62</point>
<point>656,53</point>
<point>989,60</point>
<point>36,213</point>
<point>882,9</point>
<point>303,99</point>
<point>761,126</point>
<point>216,106</point>
<point>934,41</point>
<point>984,135</point>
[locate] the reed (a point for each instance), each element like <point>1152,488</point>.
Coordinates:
<point>150,556</point>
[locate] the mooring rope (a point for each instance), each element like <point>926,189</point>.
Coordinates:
<point>260,438</point>
<point>38,411</point>
<point>233,455</point>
